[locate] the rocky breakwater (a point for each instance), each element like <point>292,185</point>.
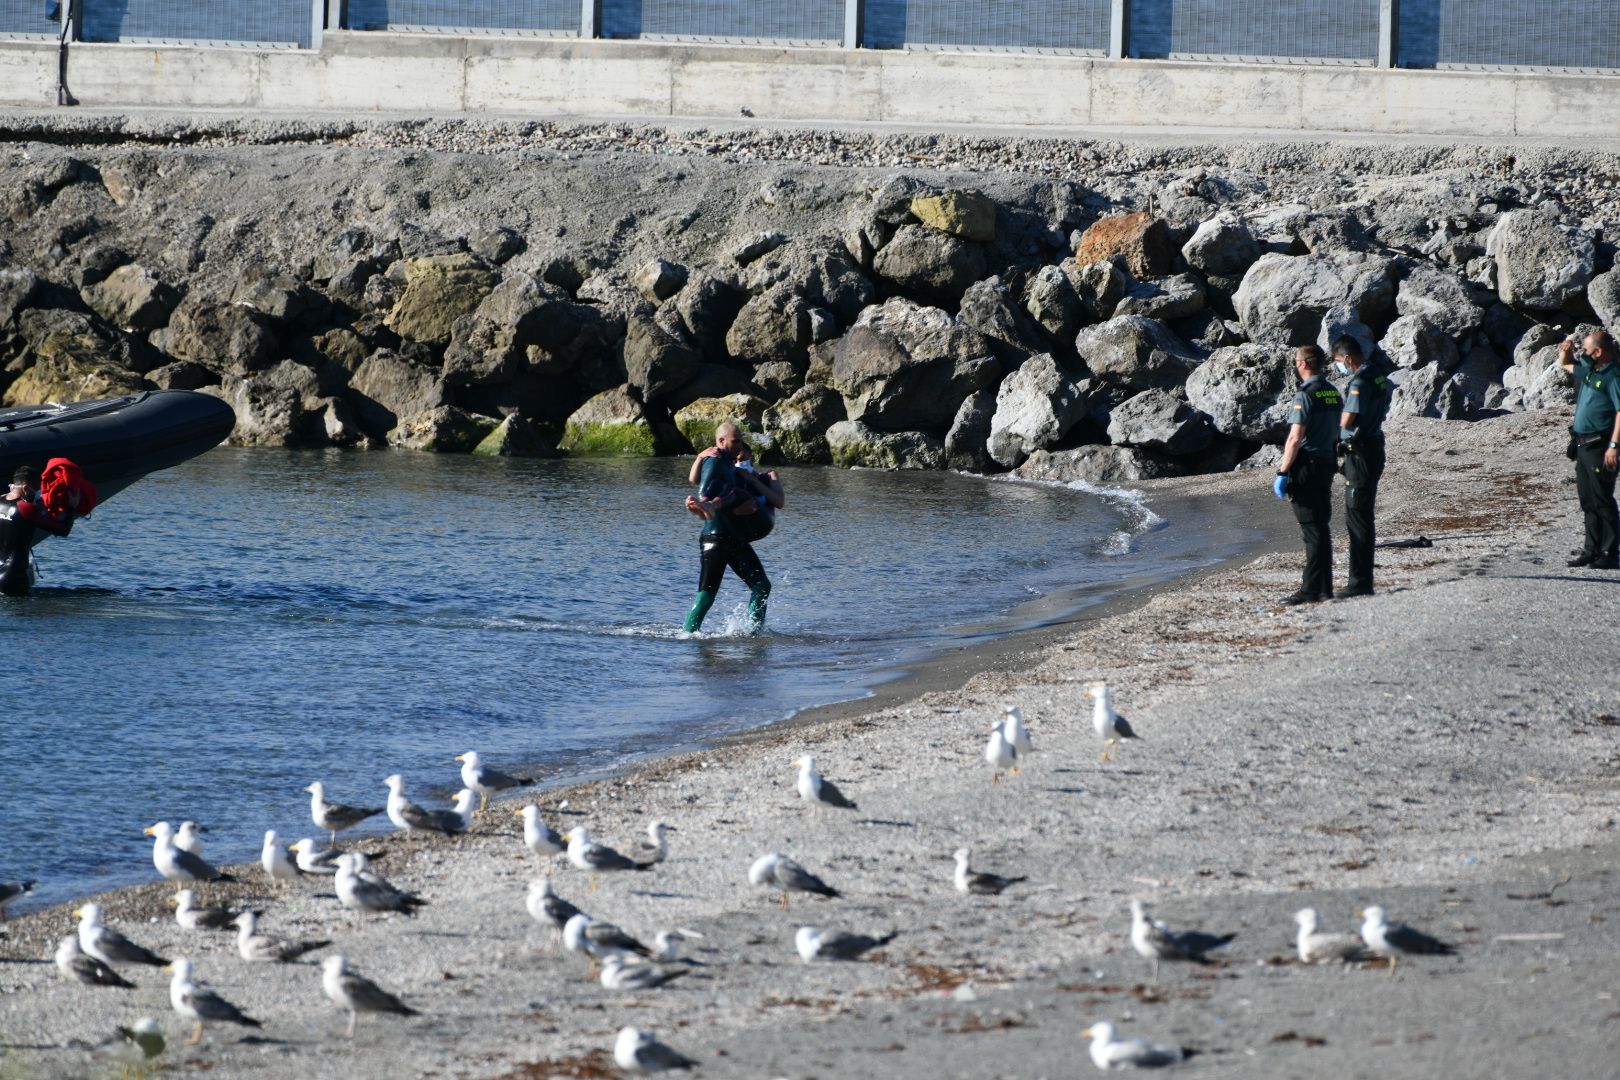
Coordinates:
<point>1102,333</point>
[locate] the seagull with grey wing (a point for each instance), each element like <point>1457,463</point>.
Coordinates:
<point>547,908</point>
<point>358,889</point>
<point>357,994</point>
<point>621,973</point>
<point>192,917</point>
<point>178,864</point>
<point>1318,947</point>
<point>636,1051</point>
<point>73,962</point>
<point>654,847</point>
<point>970,882</point>
<point>599,940</point>
<point>539,837</point>
<point>486,781</point>
<point>1109,1052</point>
<point>199,1005</point>
<point>257,948</point>
<point>815,944</point>
<point>273,857</point>
<point>12,890</point>
<point>108,945</point>
<point>315,860</point>
<point>335,817</point>
<point>597,858</point>
<point>1110,725</point>
<point>817,790</point>
<point>779,872</point>
<point>1395,940</point>
<point>412,819</point>
<point>1155,941</point>
<point>189,837</point>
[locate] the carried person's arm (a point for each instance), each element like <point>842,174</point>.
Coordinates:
<point>697,463</point>
<point>35,514</point>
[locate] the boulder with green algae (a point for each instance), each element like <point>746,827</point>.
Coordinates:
<point>798,424</point>
<point>698,420</point>
<point>614,423</point>
<point>518,436</point>
<point>439,289</point>
<point>446,429</point>
<point>966,214</point>
<point>853,444</point>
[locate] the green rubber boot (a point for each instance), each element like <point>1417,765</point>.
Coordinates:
<point>701,604</point>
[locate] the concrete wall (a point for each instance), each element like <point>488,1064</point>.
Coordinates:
<point>366,72</point>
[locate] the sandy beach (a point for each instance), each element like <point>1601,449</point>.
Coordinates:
<point>1449,748</point>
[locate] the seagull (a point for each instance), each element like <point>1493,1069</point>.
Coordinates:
<point>411,819</point>
<point>360,890</point>
<point>314,860</point>
<point>541,838</point>
<point>547,908</point>
<point>145,1036</point>
<point>1104,720</point>
<point>815,944</point>
<point>485,780</point>
<point>654,847</point>
<point>1394,940</point>
<point>177,864</point>
<point>599,940</point>
<point>596,858</point>
<point>636,1051</point>
<point>335,817</point>
<point>816,789</point>
<point>192,917</point>
<point>196,1004</point>
<point>1319,948</point>
<point>257,948</point>
<point>76,964</point>
<point>10,891</point>
<point>780,872</point>
<point>1014,731</point>
<point>621,974</point>
<point>1000,754</point>
<point>665,948</point>
<point>187,838</point>
<point>356,993</point>
<point>1108,1052</point>
<point>273,857</point>
<point>109,946</point>
<point>978,882</point>
<point>1155,941</point>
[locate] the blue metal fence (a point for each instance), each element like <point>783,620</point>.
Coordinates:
<point>235,22</point>
<point>543,17</point>
<point>817,22</point>
<point>1078,26</point>
<point>1319,31</point>
<point>30,19</point>
<point>1505,34</point>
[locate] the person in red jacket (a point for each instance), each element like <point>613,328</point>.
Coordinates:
<point>32,503</point>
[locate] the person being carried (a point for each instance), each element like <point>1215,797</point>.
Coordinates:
<point>1595,445</point>
<point>1305,474</point>
<point>33,502</point>
<point>727,536</point>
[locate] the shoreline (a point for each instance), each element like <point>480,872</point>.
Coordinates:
<point>1425,777</point>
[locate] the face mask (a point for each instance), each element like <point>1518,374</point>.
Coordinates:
<point>1342,369</point>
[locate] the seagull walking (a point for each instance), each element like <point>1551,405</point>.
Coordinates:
<point>1108,1052</point>
<point>1000,754</point>
<point>1316,947</point>
<point>273,857</point>
<point>970,882</point>
<point>177,864</point>
<point>257,948</point>
<point>817,790</point>
<point>815,944</point>
<point>81,967</point>
<point>1112,727</point>
<point>109,946</point>
<point>1394,940</point>
<point>779,872</point>
<point>540,838</point>
<point>196,1004</point>
<point>356,993</point>
<point>636,1051</point>
<point>1155,941</point>
<point>486,781</point>
<point>335,817</point>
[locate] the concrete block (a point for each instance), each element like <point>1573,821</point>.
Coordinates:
<point>27,73</point>
<point>408,83</point>
<point>1147,93</point>
<point>786,84</point>
<point>561,81</point>
<point>163,75</point>
<point>1407,102</point>
<point>984,88</point>
<point>1568,106</point>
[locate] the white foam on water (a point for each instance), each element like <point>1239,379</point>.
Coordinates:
<point>1134,503</point>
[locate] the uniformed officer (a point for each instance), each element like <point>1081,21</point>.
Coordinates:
<point>1305,474</point>
<point>1596,433</point>
<point>1361,436</point>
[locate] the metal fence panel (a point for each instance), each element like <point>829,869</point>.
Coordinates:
<point>543,17</point>
<point>27,19</point>
<point>817,22</point>
<point>237,22</point>
<point>1510,33</point>
<point>1319,31</point>
<point>1070,25</point>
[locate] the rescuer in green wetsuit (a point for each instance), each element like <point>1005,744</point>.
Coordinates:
<point>722,543</point>
<point>1305,474</point>
<point>1361,436</point>
<point>1596,437</point>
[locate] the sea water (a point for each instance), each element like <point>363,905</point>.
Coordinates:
<point>221,634</point>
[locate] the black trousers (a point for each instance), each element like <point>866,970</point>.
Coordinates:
<point>1362,468</point>
<point>1595,486</point>
<point>1311,485</point>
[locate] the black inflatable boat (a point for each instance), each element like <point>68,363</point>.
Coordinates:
<point>115,441</point>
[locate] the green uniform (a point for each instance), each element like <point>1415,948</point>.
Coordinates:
<point>1597,400</point>
<point>1366,399</point>
<point>1310,481</point>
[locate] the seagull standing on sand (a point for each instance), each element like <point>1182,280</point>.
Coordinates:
<point>194,1003</point>
<point>586,855</point>
<point>273,857</point>
<point>547,908</point>
<point>485,780</point>
<point>621,974</point>
<point>816,944</point>
<point>1014,731</point>
<point>636,1051</point>
<point>1111,726</point>
<point>1316,947</point>
<point>600,940</point>
<point>654,847</point>
<point>665,948</point>
<point>76,965</point>
<point>979,883</point>
<point>779,872</point>
<point>257,948</point>
<point>1394,940</point>
<point>315,860</point>
<point>188,838</point>
<point>192,917</point>
<point>816,789</point>
<point>1000,754</point>
<point>1155,941</point>
<point>175,863</point>
<point>10,891</point>
<point>541,838</point>
<point>360,890</point>
<point>1107,1052</point>
<point>411,819</point>
<point>335,817</point>
<point>109,946</point>
<point>356,993</point>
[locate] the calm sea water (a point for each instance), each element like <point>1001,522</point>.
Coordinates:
<point>221,634</point>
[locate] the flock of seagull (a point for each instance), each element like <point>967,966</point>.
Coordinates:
<point>94,955</point>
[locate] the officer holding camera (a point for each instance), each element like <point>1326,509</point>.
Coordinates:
<point>1595,444</point>
<point>1361,437</point>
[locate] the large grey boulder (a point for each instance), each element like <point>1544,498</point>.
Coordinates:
<point>439,289</point>
<point>387,386</point>
<point>930,265</point>
<point>1283,297</point>
<point>283,405</point>
<point>132,297</point>
<point>1541,264</point>
<point>656,361</point>
<point>1479,378</point>
<point>1135,353</point>
<point>1096,465</point>
<point>518,436</point>
<point>821,272</point>
<point>1223,244</point>
<point>967,441</point>
<point>18,287</point>
<point>1052,302</point>
<point>658,280</point>
<point>70,357</point>
<point>799,424</point>
<point>707,307</point>
<point>1343,322</point>
<point>1035,408</point>
<point>1099,286</point>
<point>1245,390</point>
<point>1427,391</point>
<point>613,423</point>
<point>1603,293</point>
<point>773,326</point>
<point>1413,341</point>
<point>904,367</point>
<point>1536,381</point>
<point>698,420</point>
<point>853,444</point>
<point>1157,420</point>
<point>1173,297</point>
<point>445,429</point>
<point>222,336</point>
<point>990,308</point>
<point>1441,297</point>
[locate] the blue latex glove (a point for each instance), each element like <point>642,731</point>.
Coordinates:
<point>1279,487</point>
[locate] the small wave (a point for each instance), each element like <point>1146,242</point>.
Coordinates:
<point>1140,516</point>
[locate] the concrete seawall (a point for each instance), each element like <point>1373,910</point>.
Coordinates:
<point>383,72</point>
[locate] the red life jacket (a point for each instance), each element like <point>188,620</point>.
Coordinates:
<point>60,477</point>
